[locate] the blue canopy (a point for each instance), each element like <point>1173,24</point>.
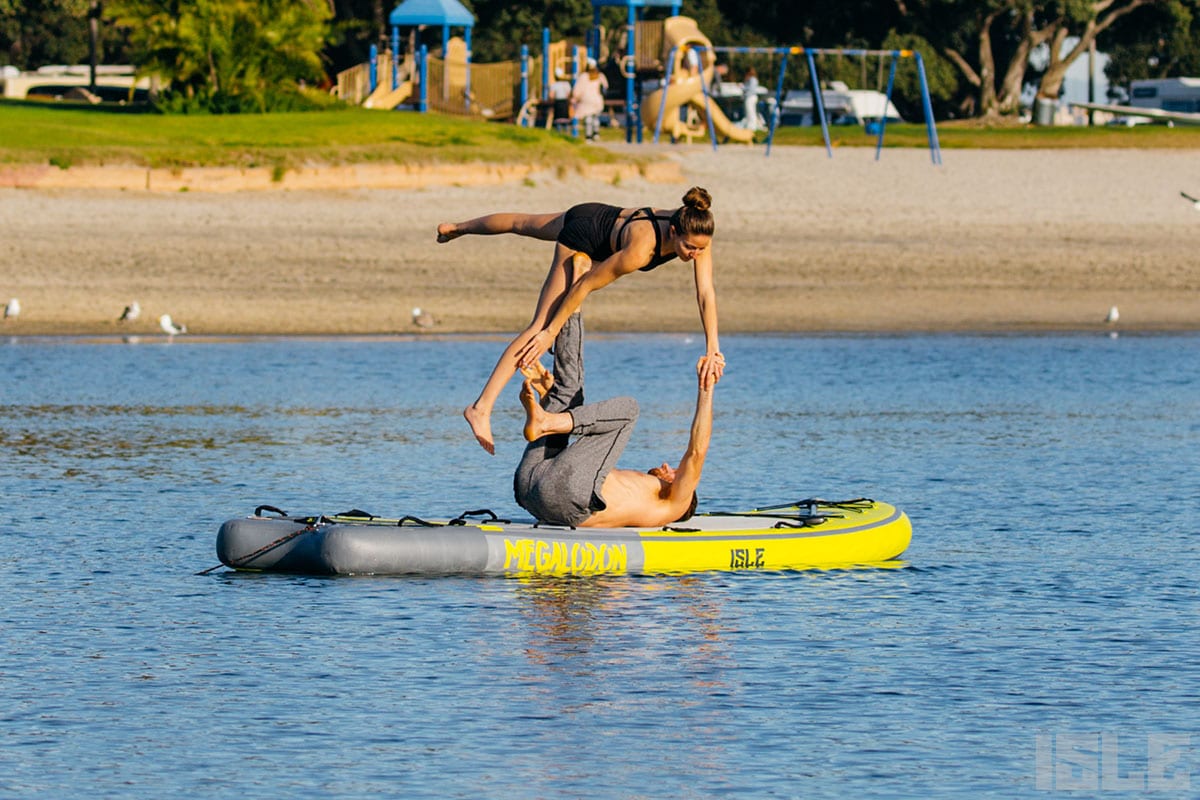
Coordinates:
<point>431,12</point>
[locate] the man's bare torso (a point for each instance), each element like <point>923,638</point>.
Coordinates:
<point>632,498</point>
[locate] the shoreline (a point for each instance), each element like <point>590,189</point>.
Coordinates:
<point>991,242</point>
<point>501,338</point>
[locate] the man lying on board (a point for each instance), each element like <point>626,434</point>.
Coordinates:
<point>576,483</point>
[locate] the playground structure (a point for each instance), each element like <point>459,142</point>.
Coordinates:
<point>450,82</point>
<point>687,90</point>
<point>669,68</point>
<point>817,92</point>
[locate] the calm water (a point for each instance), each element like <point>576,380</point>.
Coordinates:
<point>1046,616</point>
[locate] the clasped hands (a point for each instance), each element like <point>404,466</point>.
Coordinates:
<point>709,369</point>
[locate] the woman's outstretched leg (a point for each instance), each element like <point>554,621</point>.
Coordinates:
<point>536,226</point>
<point>479,413</point>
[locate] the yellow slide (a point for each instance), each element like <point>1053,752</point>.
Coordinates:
<point>386,98</point>
<point>687,90</point>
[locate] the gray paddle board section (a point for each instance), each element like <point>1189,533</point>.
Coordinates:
<point>281,545</point>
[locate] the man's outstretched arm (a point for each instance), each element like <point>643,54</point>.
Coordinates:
<point>687,475</point>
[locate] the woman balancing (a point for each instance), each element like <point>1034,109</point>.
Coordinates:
<point>595,244</point>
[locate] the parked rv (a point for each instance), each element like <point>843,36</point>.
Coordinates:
<point>843,106</point>
<point>1169,94</point>
<point>1167,101</point>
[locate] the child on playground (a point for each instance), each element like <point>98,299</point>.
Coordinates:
<point>595,244</point>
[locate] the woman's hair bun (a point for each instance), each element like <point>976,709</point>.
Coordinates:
<point>698,198</point>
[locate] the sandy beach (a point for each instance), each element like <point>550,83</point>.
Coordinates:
<point>988,241</point>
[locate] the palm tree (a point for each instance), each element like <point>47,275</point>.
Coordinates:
<point>226,54</point>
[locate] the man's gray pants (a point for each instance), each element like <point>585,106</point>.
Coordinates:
<point>559,480</point>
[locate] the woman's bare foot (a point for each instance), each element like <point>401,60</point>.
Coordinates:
<point>481,426</point>
<point>447,231</point>
<point>540,377</point>
<point>535,417</point>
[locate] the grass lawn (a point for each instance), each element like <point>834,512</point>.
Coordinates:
<point>66,135</point>
<point>60,134</point>
<point>959,135</point>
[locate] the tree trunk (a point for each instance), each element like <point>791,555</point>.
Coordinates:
<point>1051,86</point>
<point>988,105</point>
<point>1107,13</point>
<point>985,103</point>
<point>93,42</point>
<point>1014,76</point>
<point>214,79</point>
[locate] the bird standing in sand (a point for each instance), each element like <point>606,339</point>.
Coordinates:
<point>423,319</point>
<point>1195,202</point>
<point>131,312</point>
<point>1113,315</point>
<point>169,327</point>
<point>13,308</point>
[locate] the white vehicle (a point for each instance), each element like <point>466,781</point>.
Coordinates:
<point>1162,100</point>
<point>843,106</point>
<point>114,83</point>
<point>1178,95</point>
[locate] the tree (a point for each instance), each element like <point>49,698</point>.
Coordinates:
<point>1155,42</point>
<point>502,26</point>
<point>990,42</point>
<point>942,79</point>
<point>1084,20</point>
<point>34,33</point>
<point>356,25</point>
<point>974,38</point>
<point>812,23</point>
<point>227,55</point>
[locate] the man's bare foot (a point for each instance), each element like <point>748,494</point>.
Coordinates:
<point>540,377</point>
<point>447,231</point>
<point>481,426</point>
<point>534,415</point>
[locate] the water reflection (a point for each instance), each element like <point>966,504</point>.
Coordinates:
<point>567,618</point>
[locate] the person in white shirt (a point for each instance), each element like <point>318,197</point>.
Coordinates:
<point>750,98</point>
<point>587,98</point>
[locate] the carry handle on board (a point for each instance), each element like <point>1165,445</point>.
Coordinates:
<point>461,519</point>
<point>258,512</point>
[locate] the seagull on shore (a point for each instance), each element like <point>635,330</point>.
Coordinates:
<point>13,308</point>
<point>131,312</point>
<point>169,327</point>
<point>1194,201</point>
<point>1113,315</point>
<point>423,319</point>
